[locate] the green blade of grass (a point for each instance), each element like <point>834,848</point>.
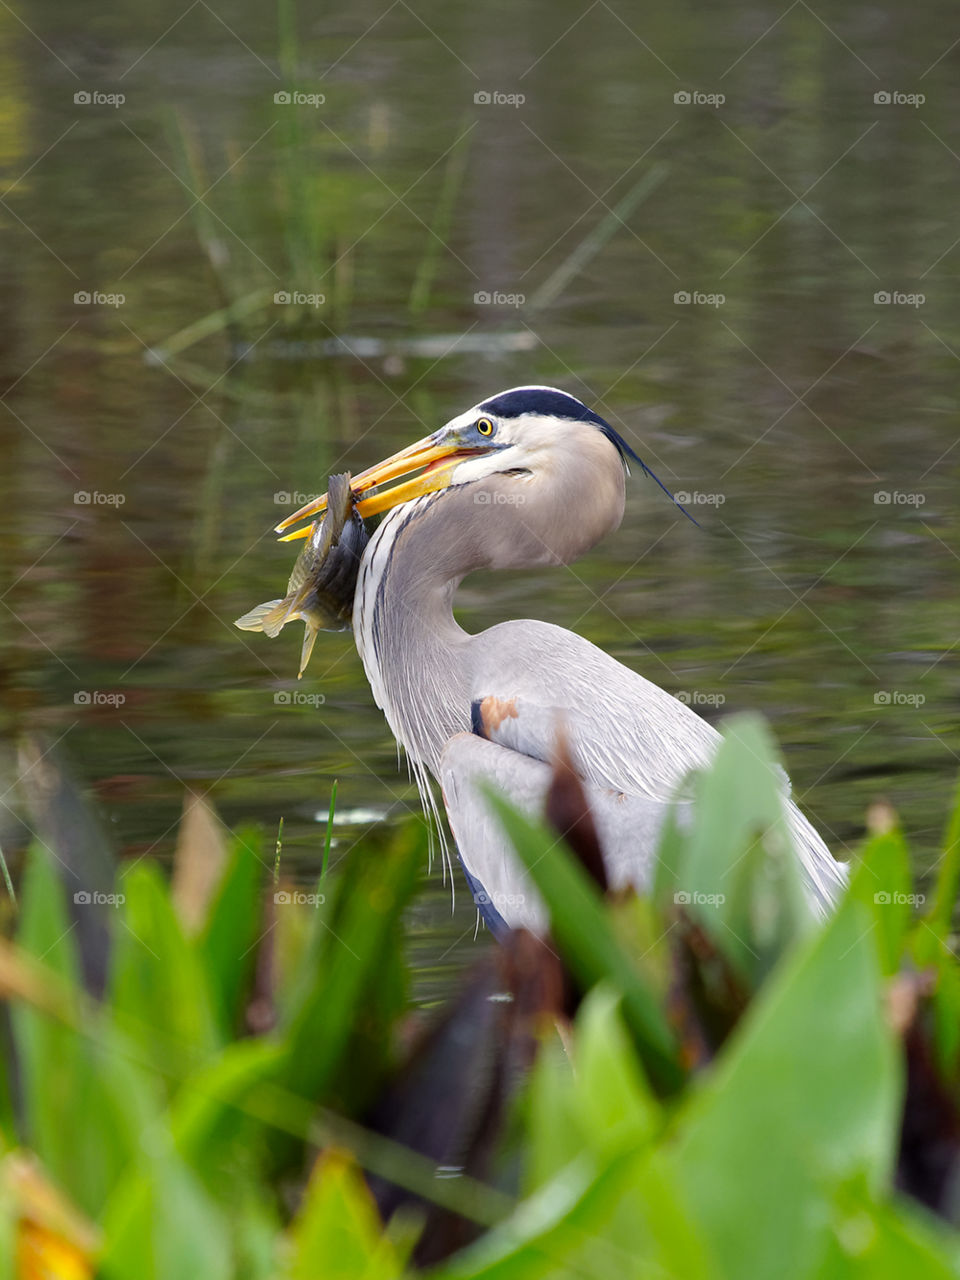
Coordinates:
<point>212,323</point>
<point>276,860</point>
<point>592,243</point>
<point>329,835</point>
<point>439,232</point>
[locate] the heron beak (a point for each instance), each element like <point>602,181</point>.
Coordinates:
<point>440,457</point>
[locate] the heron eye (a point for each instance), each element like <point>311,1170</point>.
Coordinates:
<point>485,426</point>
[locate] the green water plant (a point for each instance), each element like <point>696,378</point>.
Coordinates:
<point>705,1082</point>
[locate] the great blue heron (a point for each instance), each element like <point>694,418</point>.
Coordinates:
<point>525,478</point>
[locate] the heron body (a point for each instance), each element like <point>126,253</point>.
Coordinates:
<point>530,477</point>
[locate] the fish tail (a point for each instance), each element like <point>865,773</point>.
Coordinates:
<point>268,617</point>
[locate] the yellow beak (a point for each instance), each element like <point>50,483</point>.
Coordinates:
<point>439,459</point>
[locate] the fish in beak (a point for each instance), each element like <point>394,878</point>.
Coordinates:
<point>435,457</point>
<point>324,580</point>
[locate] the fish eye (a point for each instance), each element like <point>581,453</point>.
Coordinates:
<point>485,426</point>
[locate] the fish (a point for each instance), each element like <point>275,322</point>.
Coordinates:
<point>324,578</point>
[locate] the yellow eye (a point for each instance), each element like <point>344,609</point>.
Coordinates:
<point>485,426</point>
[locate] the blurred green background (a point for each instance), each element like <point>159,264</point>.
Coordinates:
<point>787,410</point>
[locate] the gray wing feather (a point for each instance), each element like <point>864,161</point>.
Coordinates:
<point>628,826</point>
<point>625,733</point>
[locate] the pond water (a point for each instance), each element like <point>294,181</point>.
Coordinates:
<point>486,196</point>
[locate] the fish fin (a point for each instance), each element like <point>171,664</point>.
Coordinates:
<point>268,617</point>
<point>299,600</point>
<point>311,630</point>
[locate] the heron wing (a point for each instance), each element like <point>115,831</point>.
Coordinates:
<point>626,735</point>
<point>628,828</point>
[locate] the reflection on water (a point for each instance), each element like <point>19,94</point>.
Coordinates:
<point>728,316</point>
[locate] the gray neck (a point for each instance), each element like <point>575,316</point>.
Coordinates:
<point>411,646</point>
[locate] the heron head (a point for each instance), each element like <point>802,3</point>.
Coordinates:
<point>525,432</point>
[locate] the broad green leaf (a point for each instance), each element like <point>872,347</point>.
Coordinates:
<point>225,1130</point>
<point>581,928</point>
<point>882,882</point>
<point>617,1109</point>
<point>8,1120</point>
<point>210,1149</point>
<point>932,946</point>
<point>736,870</point>
<point>623,1220</point>
<point>353,986</point>
<point>805,1097</point>
<point>44,929</point>
<point>604,1105</point>
<point>161,1224</point>
<point>946,1004</point>
<point>8,1225</point>
<point>926,951</point>
<point>158,987</point>
<point>235,922</point>
<point>210,1105</point>
<point>338,1234</point>
<point>257,1236</point>
<point>48,1056</point>
<point>889,1241</point>
<point>553,1136</point>
<point>84,1102</point>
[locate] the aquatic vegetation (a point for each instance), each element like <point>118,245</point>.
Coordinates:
<point>244,1088</point>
